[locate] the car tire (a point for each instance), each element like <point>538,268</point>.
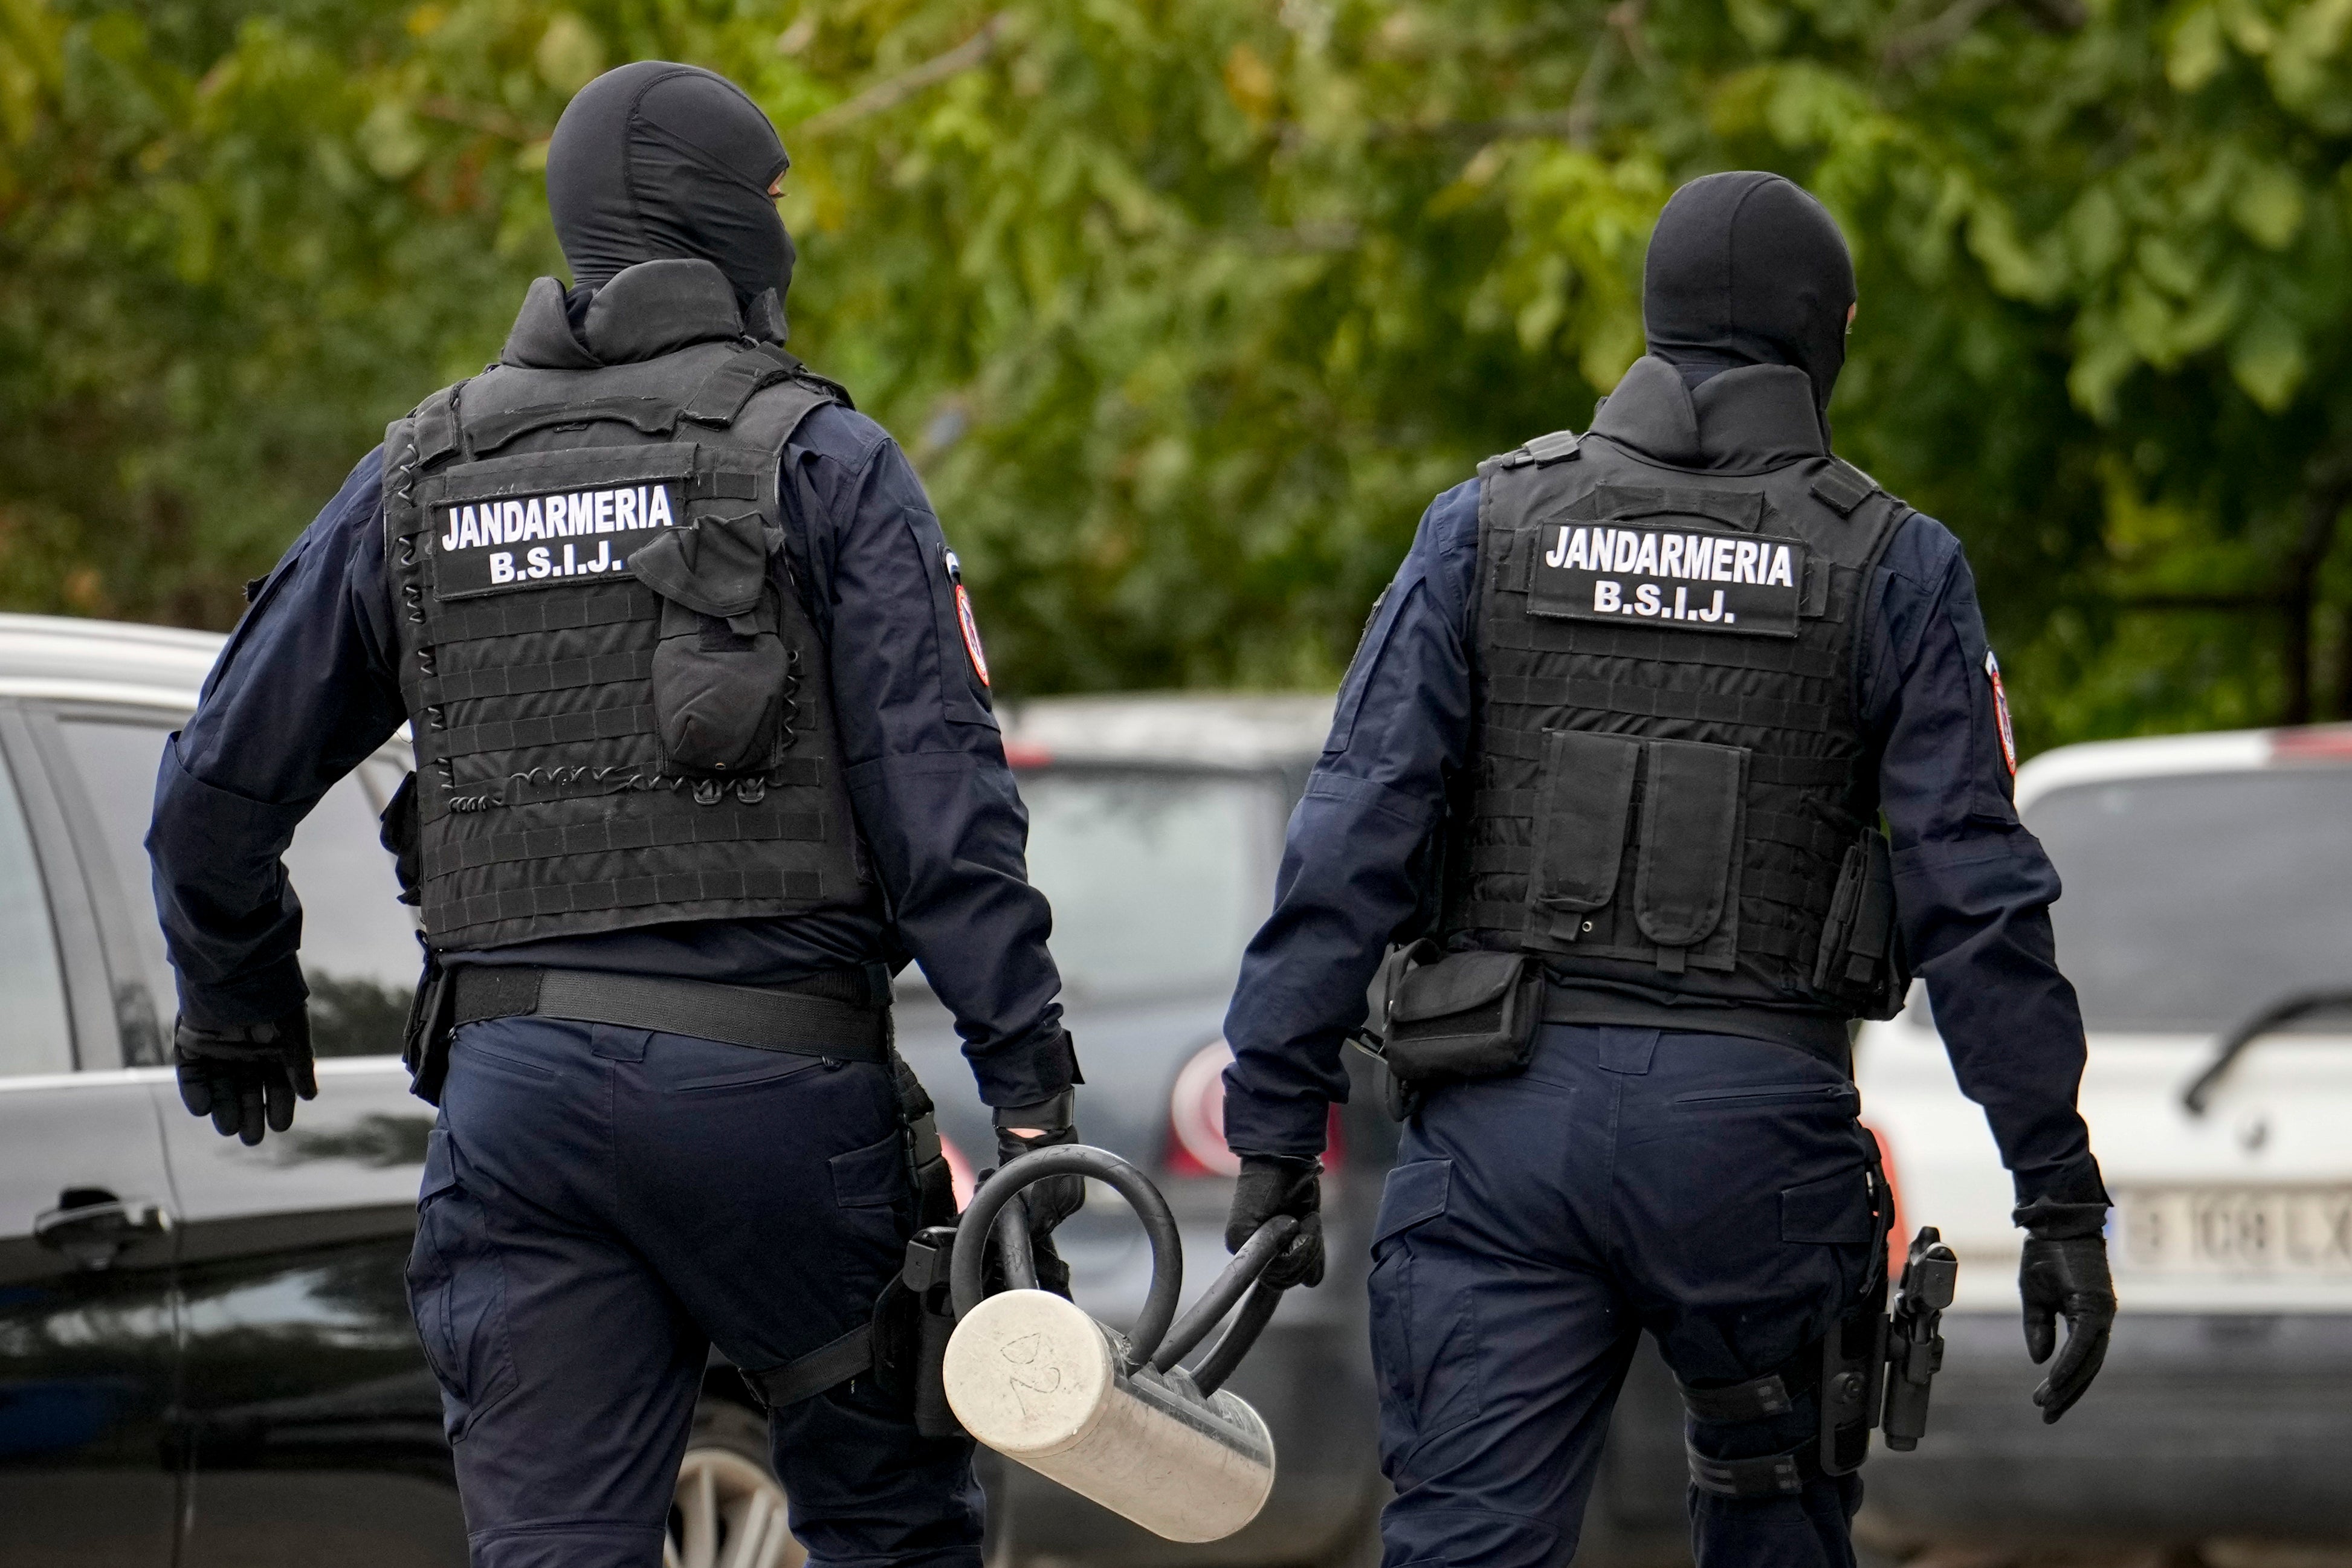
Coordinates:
<point>729,1511</point>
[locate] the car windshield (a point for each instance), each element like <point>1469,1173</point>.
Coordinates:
<point>1157,879</point>
<point>2193,901</point>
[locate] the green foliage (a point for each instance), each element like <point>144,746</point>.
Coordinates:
<point>1185,307</point>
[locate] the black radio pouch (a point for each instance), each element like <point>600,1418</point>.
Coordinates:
<point>1861,959</point>
<point>432,1020</point>
<point>432,1012</point>
<point>723,677</point>
<point>1459,1015</point>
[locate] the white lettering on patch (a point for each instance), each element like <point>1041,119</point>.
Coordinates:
<point>1586,572</point>
<point>466,560</point>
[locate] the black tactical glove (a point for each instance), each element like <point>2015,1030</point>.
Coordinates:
<point>1043,1126</point>
<point>1053,1199</point>
<point>248,1076</point>
<point>2067,1276</point>
<point>1281,1183</point>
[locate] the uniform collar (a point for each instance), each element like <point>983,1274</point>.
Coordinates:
<point>1742,421</point>
<point>652,308</point>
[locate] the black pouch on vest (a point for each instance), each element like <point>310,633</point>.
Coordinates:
<point>1676,903</point>
<point>432,1020</point>
<point>1860,960</point>
<point>402,831</point>
<point>1580,844</point>
<point>1461,1015</point>
<point>722,679</point>
<point>1691,817</point>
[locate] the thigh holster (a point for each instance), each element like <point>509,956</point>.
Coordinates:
<point>1843,1371</point>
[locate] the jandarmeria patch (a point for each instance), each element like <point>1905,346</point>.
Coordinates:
<point>1698,581</point>
<point>542,541</point>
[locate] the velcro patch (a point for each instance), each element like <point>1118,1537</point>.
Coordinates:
<point>546,541</point>
<point>1694,576</point>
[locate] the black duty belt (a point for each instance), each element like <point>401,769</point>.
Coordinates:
<point>828,1015</point>
<point>1816,1034</point>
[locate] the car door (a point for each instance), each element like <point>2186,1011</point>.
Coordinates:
<point>87,1468</point>
<point>310,1423</point>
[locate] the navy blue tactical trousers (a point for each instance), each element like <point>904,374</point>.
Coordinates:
<point>1710,1190</point>
<point>601,1205</point>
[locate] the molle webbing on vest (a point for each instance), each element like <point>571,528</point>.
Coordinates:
<point>550,802</point>
<point>1671,774</point>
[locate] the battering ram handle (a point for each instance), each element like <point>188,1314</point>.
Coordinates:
<point>966,1281</point>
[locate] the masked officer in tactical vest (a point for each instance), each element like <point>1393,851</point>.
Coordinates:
<point>1615,746</point>
<point>704,753</point>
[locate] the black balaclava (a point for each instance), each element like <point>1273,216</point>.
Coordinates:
<point>1748,269</point>
<point>655,160</point>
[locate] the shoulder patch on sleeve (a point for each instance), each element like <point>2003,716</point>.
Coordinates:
<point>2001,713</point>
<point>965,622</point>
<point>1842,486</point>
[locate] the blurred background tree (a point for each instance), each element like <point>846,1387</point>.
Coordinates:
<point>1185,307</point>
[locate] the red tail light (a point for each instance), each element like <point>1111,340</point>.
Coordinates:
<point>2312,743</point>
<point>1196,1116</point>
<point>1196,1119</point>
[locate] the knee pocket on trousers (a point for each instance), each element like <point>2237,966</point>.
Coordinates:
<point>1425,1330</point>
<point>457,1291</point>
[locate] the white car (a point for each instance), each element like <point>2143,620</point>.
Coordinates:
<point>2206,926</point>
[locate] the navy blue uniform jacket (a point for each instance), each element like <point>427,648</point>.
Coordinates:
<point>1973,887</point>
<point>306,690</point>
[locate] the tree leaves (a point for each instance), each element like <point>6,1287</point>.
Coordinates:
<point>1185,309</point>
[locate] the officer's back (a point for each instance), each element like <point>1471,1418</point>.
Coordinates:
<point>1608,768</point>
<point>704,754</point>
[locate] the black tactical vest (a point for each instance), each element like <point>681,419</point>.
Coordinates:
<point>621,711</point>
<point>1673,789</point>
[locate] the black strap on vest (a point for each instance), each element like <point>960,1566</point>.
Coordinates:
<point>1544,449</point>
<point>724,392</point>
<point>437,426</point>
<point>814,1018</point>
<point>718,402</point>
<point>724,485</point>
<point>1842,488</point>
<point>486,432</point>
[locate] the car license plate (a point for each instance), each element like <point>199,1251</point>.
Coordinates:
<point>2304,1230</point>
